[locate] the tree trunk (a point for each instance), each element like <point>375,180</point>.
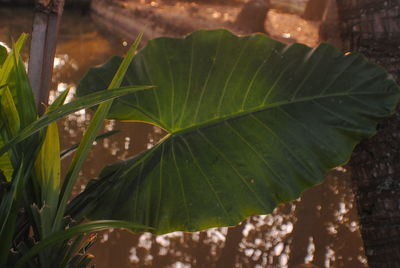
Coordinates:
<point>373,28</point>
<point>329,27</point>
<point>252,16</point>
<point>228,257</point>
<point>315,9</point>
<point>43,48</point>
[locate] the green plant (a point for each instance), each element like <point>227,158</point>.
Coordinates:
<point>251,123</point>
<point>32,196</point>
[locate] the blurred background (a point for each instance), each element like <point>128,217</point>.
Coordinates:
<point>320,229</point>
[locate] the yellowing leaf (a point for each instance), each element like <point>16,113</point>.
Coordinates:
<point>3,55</point>
<point>8,63</point>
<point>47,165</point>
<point>6,167</point>
<point>9,113</point>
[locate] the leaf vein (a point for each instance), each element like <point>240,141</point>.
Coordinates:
<point>262,158</point>
<point>310,172</point>
<point>304,127</point>
<point>160,183</point>
<point>151,81</point>
<point>311,71</point>
<point>253,79</point>
<point>181,184</point>
<point>230,75</point>
<point>208,182</point>
<point>234,169</point>
<point>204,88</point>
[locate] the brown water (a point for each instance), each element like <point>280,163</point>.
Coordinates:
<point>320,228</point>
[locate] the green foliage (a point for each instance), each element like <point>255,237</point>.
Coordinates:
<point>76,231</point>
<point>13,163</point>
<point>251,123</point>
<point>30,162</point>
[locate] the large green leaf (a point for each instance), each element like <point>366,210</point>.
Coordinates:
<point>252,123</point>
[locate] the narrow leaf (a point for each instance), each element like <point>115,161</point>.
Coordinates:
<point>8,112</point>
<point>3,55</point>
<point>48,166</point>
<point>8,212</point>
<point>71,149</point>
<point>23,91</point>
<point>71,249</point>
<point>59,100</point>
<point>5,164</point>
<point>81,103</point>
<point>90,134</point>
<point>8,64</point>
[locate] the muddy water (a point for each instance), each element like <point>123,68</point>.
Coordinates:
<point>320,228</point>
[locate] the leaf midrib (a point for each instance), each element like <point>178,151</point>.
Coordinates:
<point>261,108</point>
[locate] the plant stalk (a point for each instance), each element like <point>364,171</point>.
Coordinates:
<point>43,48</point>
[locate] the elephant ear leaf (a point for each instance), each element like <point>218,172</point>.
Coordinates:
<point>251,123</point>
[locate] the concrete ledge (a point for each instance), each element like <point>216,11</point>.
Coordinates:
<point>127,21</point>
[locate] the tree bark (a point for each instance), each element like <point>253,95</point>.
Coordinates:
<point>329,27</point>
<point>315,9</point>
<point>252,16</point>
<point>373,28</point>
<point>228,257</point>
<point>43,48</point>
